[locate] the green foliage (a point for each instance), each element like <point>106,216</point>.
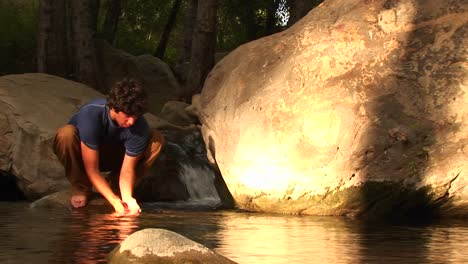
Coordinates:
<point>243,20</point>
<point>18,28</point>
<point>141,25</point>
<point>142,22</point>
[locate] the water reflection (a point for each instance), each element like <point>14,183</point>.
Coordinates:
<point>376,242</point>
<point>273,239</point>
<point>91,235</point>
<point>87,236</point>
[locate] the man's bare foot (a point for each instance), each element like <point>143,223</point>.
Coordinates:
<point>78,200</point>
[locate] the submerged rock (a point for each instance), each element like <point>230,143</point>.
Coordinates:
<point>154,245</point>
<point>61,199</point>
<point>358,106</point>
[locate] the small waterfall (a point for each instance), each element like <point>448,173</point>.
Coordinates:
<point>194,170</point>
<point>200,183</point>
<point>182,177</point>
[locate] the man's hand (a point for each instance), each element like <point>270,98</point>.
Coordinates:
<point>132,206</point>
<point>118,206</point>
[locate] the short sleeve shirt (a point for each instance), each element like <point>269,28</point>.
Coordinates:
<point>95,127</point>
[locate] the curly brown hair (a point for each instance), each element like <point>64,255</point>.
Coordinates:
<point>128,96</point>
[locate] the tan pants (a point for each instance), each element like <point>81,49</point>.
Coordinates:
<point>67,147</point>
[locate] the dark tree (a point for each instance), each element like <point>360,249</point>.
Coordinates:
<point>186,49</point>
<point>94,8</point>
<point>161,48</point>
<point>299,8</point>
<point>203,45</point>
<point>249,18</point>
<point>85,64</point>
<point>270,24</point>
<point>111,21</point>
<point>52,38</point>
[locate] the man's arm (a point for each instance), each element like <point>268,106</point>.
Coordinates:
<point>91,165</point>
<point>127,181</point>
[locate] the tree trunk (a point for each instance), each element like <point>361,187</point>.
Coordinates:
<point>299,8</point>
<point>83,33</point>
<point>270,25</point>
<point>161,48</point>
<point>111,21</point>
<point>94,8</point>
<point>248,19</point>
<point>203,45</point>
<point>183,62</point>
<point>52,38</point>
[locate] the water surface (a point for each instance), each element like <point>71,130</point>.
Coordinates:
<point>87,236</point>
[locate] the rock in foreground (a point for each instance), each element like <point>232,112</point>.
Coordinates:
<point>154,245</point>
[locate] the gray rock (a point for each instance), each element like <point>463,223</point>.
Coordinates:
<point>156,75</point>
<point>154,245</point>
<point>61,199</point>
<point>175,112</point>
<point>32,108</point>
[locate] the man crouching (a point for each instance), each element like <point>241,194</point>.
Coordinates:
<point>109,135</point>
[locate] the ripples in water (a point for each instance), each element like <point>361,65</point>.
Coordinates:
<point>87,236</point>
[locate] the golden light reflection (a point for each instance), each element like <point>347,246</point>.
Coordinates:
<point>277,162</point>
<point>264,176</point>
<point>322,128</point>
<point>92,231</point>
<point>272,239</point>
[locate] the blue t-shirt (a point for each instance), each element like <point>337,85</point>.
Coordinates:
<point>95,127</point>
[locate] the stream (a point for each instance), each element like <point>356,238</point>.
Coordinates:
<point>87,235</point>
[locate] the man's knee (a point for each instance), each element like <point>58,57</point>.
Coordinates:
<point>154,147</point>
<point>65,137</point>
<point>66,133</point>
<point>157,138</point>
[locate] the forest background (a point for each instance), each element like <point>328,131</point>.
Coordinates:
<point>57,37</point>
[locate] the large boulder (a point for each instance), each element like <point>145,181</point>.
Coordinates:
<point>359,108</point>
<point>156,75</point>
<point>155,245</point>
<point>32,108</point>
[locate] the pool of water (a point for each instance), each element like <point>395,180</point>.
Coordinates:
<point>88,235</point>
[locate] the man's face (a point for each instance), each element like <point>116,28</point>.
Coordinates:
<point>124,120</point>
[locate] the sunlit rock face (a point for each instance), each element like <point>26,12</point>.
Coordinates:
<point>359,107</point>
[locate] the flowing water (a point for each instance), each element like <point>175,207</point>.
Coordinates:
<point>88,235</point>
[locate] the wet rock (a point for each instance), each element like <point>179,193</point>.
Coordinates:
<point>162,246</point>
<point>61,199</point>
<point>175,113</point>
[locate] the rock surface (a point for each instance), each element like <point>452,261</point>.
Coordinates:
<point>359,107</point>
<point>156,75</point>
<point>154,245</point>
<point>175,112</point>
<point>32,108</point>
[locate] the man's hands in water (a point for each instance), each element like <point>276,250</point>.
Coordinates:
<point>129,206</point>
